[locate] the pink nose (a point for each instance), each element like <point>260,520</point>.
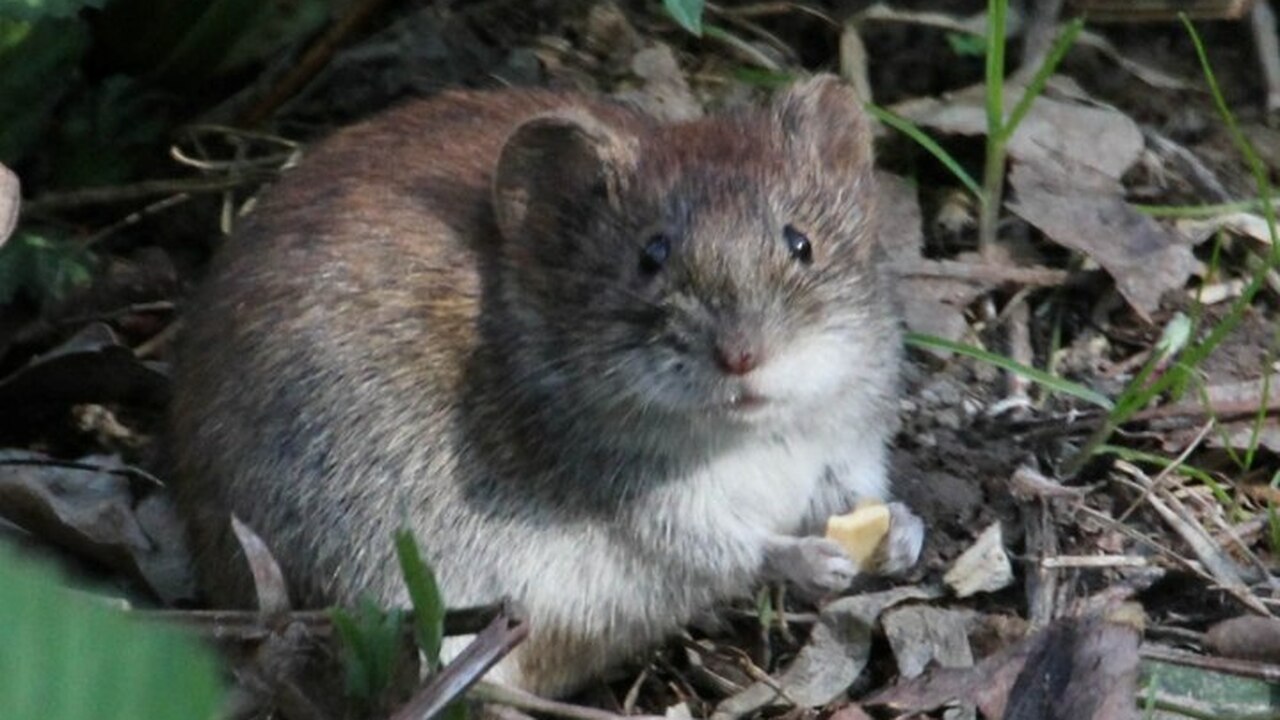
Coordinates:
<point>736,358</point>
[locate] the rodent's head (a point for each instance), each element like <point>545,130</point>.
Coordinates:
<point>719,269</point>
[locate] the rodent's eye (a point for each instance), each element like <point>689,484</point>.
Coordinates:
<point>798,244</point>
<point>655,253</point>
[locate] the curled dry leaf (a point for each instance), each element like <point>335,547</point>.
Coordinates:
<point>91,367</point>
<point>1248,637</point>
<point>268,581</point>
<point>10,199</point>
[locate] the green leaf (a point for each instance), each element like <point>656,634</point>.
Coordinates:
<point>424,592</point>
<point>1061,45</point>
<point>966,45</point>
<point>1051,382</point>
<point>107,134</point>
<point>1177,332</point>
<point>32,10</point>
<point>688,13</point>
<point>41,268</point>
<point>370,641</point>
<point>65,657</point>
<point>37,69</point>
<point>761,78</point>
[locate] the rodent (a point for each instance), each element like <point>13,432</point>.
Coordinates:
<point>610,367</point>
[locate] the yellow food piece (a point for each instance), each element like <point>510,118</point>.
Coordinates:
<point>861,531</point>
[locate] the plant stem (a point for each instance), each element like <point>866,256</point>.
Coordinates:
<point>993,172</point>
<point>992,196</point>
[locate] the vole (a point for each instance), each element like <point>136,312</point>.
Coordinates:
<point>609,367</point>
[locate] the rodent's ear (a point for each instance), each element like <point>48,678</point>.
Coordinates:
<point>823,120</point>
<point>553,160</point>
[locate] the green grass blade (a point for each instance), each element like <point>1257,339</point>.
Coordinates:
<point>1051,382</point>
<point>913,131</point>
<point>997,10</point>
<point>424,592</point>
<point>1201,350</point>
<point>1034,88</point>
<point>688,13</point>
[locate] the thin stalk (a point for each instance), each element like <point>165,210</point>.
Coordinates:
<point>993,170</point>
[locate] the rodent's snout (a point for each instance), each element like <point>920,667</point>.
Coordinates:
<point>737,353</point>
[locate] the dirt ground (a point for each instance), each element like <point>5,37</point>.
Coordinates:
<point>1175,520</point>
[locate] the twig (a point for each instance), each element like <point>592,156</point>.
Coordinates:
<point>981,272</point>
<point>1198,174</point>
<point>503,695</point>
<point>1094,561</point>
<point>75,199</point>
<point>1168,469</point>
<point>765,9</point>
<point>1042,542</point>
<point>486,650</point>
<point>1263,21</point>
<point>134,218</point>
<point>312,61</point>
<point>1224,572</point>
<point>250,626</point>
<point>1243,668</point>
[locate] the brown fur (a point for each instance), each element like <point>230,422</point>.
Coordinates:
<point>436,320</point>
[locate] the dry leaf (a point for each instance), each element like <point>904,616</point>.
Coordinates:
<point>268,581</point>
<point>837,651</point>
<point>1248,637</point>
<point>984,567</point>
<point>1075,669</point>
<point>1086,212</point>
<point>10,200</point>
<point>89,507</point>
<point>1098,138</point>
<point>933,306</point>
<point>921,635</point>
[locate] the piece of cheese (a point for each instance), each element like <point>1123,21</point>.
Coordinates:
<point>861,531</point>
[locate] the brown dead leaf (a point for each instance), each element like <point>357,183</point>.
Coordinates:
<point>1080,670</point>
<point>1235,405</point>
<point>1086,211</point>
<point>983,567</point>
<point>921,635</point>
<point>268,581</point>
<point>933,305</point>
<point>1075,669</point>
<point>91,367</point>
<point>10,200</point>
<point>665,91</point>
<point>89,508</point>
<point>1098,138</point>
<point>837,651</point>
<point>1248,637</point>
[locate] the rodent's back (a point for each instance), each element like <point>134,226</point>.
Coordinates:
<point>598,363</point>
<point>330,339</point>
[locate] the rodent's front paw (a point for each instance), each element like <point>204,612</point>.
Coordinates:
<point>815,566</point>
<point>906,538</point>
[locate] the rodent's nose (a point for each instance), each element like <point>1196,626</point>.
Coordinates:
<point>737,356</point>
